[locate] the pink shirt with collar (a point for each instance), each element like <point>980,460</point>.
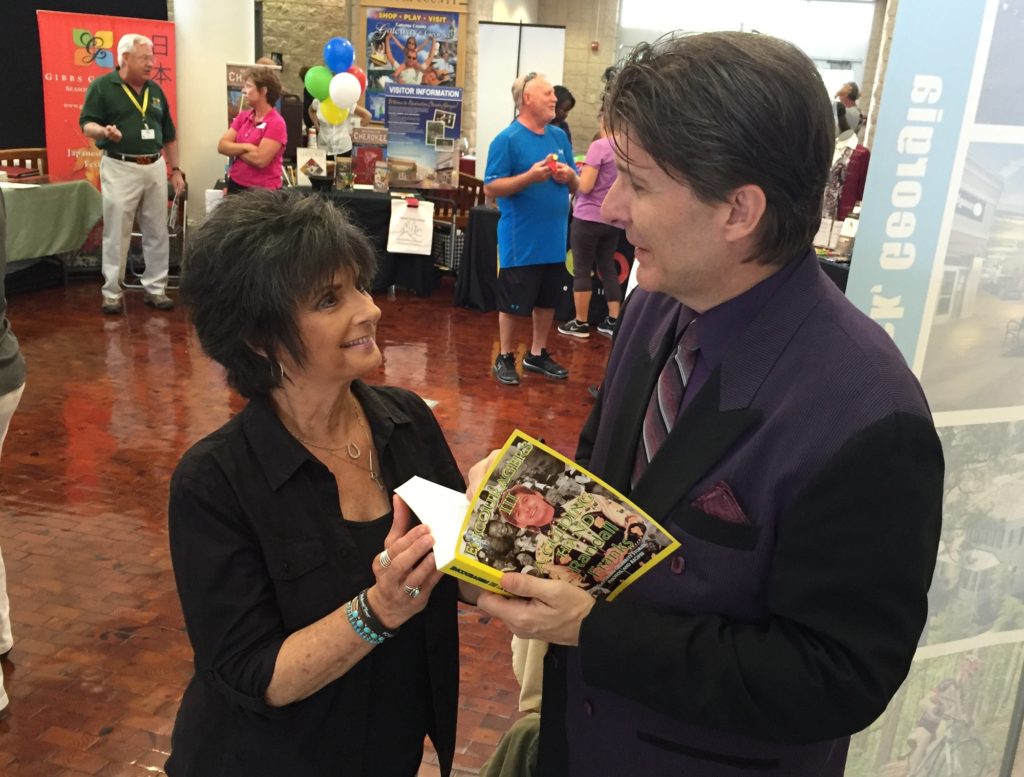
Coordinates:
<point>247,130</point>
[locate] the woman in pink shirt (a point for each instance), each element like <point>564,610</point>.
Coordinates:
<point>257,137</point>
<point>593,241</point>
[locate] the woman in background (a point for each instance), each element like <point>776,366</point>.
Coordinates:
<point>594,241</point>
<point>336,138</point>
<point>257,136</point>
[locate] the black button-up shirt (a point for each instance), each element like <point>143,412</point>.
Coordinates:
<point>260,550</point>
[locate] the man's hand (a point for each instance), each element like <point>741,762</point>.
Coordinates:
<point>111,132</point>
<point>178,180</point>
<point>550,610</point>
<point>563,174</point>
<point>540,172</point>
<point>476,473</point>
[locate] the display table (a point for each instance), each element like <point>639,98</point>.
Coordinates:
<point>839,272</point>
<point>371,211</point>
<point>50,218</point>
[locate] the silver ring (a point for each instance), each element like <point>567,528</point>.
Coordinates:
<point>411,591</point>
<point>384,559</point>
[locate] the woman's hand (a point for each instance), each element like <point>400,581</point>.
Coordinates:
<point>477,472</point>
<point>412,568</point>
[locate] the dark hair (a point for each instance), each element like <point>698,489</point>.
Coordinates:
<point>506,510</point>
<point>264,77</point>
<point>562,94</point>
<point>259,256</point>
<point>720,110</point>
<point>841,121</point>
<point>852,90</point>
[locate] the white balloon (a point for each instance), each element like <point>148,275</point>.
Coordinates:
<point>345,90</point>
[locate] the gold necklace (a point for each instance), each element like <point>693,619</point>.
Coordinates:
<point>352,450</point>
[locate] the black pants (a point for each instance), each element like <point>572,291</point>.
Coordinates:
<point>594,243</point>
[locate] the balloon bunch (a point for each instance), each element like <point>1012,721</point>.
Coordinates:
<point>339,85</point>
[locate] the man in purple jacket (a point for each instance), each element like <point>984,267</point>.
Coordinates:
<point>774,429</point>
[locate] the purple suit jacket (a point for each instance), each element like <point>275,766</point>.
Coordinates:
<point>804,483</point>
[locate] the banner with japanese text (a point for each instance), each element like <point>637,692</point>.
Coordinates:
<point>75,49</point>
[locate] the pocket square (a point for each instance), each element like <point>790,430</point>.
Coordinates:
<point>720,501</point>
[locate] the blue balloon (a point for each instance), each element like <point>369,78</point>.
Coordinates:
<point>339,55</point>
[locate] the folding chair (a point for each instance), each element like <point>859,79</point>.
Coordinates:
<point>136,263</point>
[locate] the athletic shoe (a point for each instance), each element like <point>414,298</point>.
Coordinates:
<point>607,327</point>
<point>545,365</point>
<point>159,301</point>
<point>112,306</point>
<point>505,369</point>
<point>575,328</point>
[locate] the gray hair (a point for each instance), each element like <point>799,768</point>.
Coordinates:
<point>519,87</point>
<point>128,42</point>
<point>697,105</point>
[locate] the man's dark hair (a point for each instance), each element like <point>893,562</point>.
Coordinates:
<point>563,95</point>
<point>257,258</point>
<point>720,110</point>
<point>264,77</point>
<point>852,90</point>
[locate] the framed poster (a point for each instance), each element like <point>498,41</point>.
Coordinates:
<point>410,44</point>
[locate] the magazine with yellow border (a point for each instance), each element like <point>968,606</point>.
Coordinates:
<point>539,513</point>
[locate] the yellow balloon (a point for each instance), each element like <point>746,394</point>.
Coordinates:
<point>332,112</point>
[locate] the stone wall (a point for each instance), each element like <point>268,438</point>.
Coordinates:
<point>585,22</point>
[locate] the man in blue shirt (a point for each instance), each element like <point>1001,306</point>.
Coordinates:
<point>531,174</point>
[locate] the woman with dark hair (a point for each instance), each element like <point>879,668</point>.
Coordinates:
<point>565,102</point>
<point>325,639</point>
<point>256,138</point>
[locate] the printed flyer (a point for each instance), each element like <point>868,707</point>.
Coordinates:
<point>424,123</point>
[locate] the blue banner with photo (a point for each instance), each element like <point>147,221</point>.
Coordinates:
<point>408,47</point>
<point>424,124</point>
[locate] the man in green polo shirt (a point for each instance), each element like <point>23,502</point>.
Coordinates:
<point>127,115</point>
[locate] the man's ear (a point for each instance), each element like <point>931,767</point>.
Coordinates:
<point>747,205</point>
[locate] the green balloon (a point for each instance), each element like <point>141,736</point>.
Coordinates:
<point>318,82</point>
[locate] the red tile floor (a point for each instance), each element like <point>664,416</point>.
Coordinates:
<point>100,656</point>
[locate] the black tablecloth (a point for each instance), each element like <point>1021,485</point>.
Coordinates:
<point>478,274</point>
<point>839,272</point>
<point>372,212</point>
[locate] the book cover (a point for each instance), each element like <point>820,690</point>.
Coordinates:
<point>369,146</point>
<point>310,162</point>
<point>539,513</point>
<point>364,163</point>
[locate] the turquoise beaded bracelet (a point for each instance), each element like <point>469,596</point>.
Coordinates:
<point>360,626</point>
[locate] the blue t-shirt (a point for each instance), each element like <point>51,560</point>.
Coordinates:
<point>533,224</point>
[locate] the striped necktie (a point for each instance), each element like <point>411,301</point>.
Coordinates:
<point>666,399</point>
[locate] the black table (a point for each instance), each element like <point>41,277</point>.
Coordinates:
<point>371,211</point>
<point>839,272</point>
<point>478,274</point>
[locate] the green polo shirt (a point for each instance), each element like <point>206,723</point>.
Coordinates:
<point>106,103</point>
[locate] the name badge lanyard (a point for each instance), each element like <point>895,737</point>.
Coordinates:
<point>135,102</point>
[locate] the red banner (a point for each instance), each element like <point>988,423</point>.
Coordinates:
<point>75,49</point>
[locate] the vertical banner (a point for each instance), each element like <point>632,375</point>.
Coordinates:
<point>939,263</point>
<point>409,47</point>
<point>235,82</point>
<point>424,123</point>
<point>75,49</point>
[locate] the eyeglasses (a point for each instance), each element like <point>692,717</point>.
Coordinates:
<point>529,77</point>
